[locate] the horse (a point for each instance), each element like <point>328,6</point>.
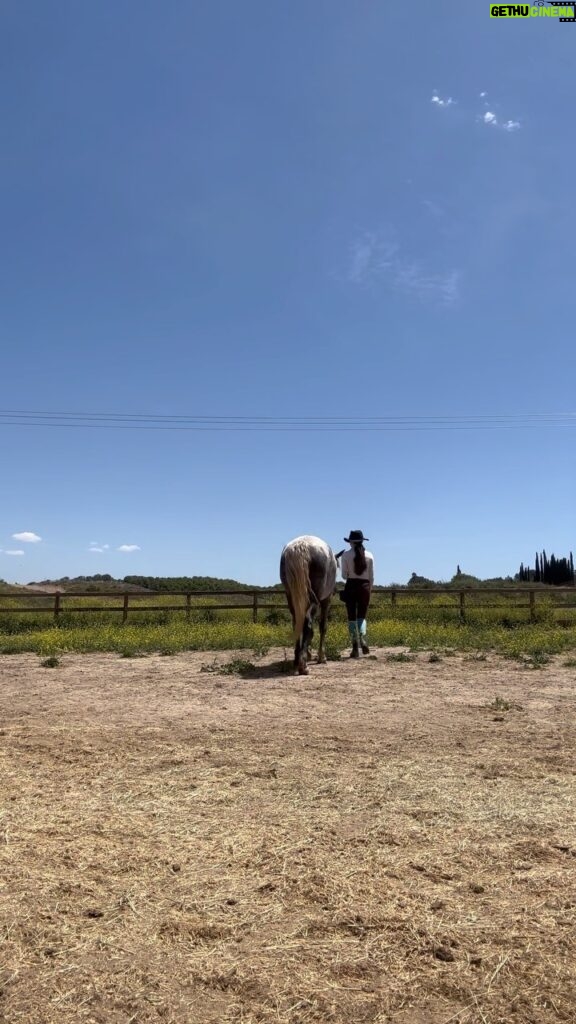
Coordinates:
<point>308,573</point>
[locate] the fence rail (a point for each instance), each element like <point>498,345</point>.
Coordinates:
<point>257,600</point>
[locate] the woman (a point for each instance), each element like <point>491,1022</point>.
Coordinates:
<point>357,568</point>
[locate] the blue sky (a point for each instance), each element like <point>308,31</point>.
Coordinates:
<point>285,210</point>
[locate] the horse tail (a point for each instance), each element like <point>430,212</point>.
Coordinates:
<point>297,579</point>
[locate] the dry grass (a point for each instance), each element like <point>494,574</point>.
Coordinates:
<point>378,842</point>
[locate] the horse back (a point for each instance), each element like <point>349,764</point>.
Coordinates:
<point>321,563</point>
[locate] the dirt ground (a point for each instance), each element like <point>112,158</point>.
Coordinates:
<point>380,841</point>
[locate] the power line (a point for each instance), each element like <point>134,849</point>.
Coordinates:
<point>258,423</point>
<point>254,417</point>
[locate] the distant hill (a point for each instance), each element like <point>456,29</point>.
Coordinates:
<point>135,584</point>
<point>29,588</point>
<point>82,584</point>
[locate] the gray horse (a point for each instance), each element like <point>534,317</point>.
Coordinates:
<point>308,573</point>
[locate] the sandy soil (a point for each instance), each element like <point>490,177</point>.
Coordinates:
<point>379,841</point>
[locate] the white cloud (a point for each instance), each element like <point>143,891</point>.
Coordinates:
<point>128,547</point>
<point>98,550</point>
<point>96,546</point>
<point>508,126</point>
<point>488,117</point>
<point>378,260</point>
<point>447,287</point>
<point>13,552</point>
<point>27,538</point>
<point>372,255</point>
<point>440,102</point>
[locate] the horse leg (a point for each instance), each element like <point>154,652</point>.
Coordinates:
<point>324,606</point>
<point>302,652</point>
<point>302,644</point>
<point>298,644</point>
<point>312,612</point>
<point>300,658</point>
<point>300,655</point>
<point>309,642</point>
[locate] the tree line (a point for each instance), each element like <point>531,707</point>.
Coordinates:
<point>547,570</point>
<point>556,571</point>
<point>157,584</point>
<point>175,584</point>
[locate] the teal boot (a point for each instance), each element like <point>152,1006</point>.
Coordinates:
<point>361,624</point>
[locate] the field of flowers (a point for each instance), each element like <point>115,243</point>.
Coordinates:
<point>423,621</point>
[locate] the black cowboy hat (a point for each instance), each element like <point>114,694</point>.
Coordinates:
<point>356,537</point>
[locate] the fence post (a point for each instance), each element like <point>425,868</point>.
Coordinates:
<point>532,606</point>
<point>393,598</point>
<point>125,608</point>
<point>188,596</point>
<point>255,607</point>
<point>56,606</point>
<point>462,607</point>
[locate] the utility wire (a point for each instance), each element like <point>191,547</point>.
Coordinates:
<point>256,423</point>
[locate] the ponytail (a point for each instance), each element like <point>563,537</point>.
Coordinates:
<point>360,562</point>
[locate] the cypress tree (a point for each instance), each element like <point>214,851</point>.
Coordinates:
<point>551,570</point>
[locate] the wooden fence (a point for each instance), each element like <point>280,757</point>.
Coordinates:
<point>259,600</point>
